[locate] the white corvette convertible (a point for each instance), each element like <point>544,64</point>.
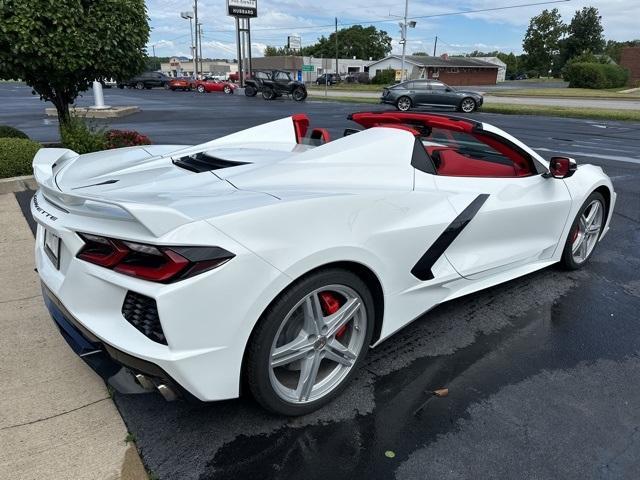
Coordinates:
<point>273,258</point>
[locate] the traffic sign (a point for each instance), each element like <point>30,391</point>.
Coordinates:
<point>308,68</point>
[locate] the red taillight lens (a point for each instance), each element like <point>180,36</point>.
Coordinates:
<point>151,262</point>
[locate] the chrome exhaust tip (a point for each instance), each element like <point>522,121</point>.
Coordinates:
<point>166,391</point>
<point>144,382</point>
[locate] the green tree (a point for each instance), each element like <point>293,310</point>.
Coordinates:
<point>59,48</point>
<point>510,60</point>
<point>541,42</point>
<point>271,51</point>
<point>584,33</point>
<point>356,41</point>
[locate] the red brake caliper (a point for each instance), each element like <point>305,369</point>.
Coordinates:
<point>574,234</point>
<point>330,304</point>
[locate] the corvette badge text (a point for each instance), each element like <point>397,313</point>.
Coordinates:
<point>41,210</point>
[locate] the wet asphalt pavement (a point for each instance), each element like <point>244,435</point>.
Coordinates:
<point>543,371</point>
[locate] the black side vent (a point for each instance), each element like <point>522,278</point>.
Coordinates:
<point>201,162</point>
<point>142,312</point>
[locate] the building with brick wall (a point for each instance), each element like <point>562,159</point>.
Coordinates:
<point>450,70</point>
<point>630,59</point>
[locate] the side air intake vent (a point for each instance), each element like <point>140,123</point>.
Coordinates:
<point>142,312</point>
<point>201,162</point>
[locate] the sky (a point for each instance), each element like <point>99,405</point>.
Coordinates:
<point>458,33</point>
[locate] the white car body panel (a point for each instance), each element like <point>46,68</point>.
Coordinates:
<point>289,210</point>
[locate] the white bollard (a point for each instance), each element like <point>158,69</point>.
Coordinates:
<point>98,96</point>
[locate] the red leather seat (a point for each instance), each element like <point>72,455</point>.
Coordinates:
<point>452,163</point>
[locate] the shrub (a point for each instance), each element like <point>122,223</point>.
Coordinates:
<point>125,138</point>
<point>595,75</point>
<point>9,132</point>
<point>16,156</point>
<point>81,137</point>
<point>384,77</point>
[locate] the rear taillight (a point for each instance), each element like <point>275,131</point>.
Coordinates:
<point>155,263</point>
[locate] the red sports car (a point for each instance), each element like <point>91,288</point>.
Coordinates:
<point>215,85</point>
<point>182,83</point>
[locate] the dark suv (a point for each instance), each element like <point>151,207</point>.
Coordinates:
<point>430,93</point>
<point>274,83</point>
<point>328,79</point>
<point>146,80</point>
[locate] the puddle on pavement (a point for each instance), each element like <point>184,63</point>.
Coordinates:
<point>558,334</point>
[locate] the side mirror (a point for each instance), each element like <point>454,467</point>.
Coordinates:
<point>562,167</point>
<point>447,89</point>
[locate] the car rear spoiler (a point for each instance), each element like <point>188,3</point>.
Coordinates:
<point>157,219</point>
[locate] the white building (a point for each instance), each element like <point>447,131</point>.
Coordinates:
<point>502,67</point>
<point>181,67</point>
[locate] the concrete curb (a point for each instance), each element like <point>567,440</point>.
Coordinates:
<point>17,184</point>
<point>87,112</point>
<point>57,420</point>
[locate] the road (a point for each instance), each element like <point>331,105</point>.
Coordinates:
<point>542,371</point>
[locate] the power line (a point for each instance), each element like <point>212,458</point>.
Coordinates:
<point>393,20</point>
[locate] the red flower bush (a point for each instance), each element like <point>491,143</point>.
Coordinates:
<point>125,138</point>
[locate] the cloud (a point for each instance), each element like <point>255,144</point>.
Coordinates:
<point>502,29</point>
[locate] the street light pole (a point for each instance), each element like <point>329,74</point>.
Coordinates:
<point>189,16</point>
<point>195,56</point>
<point>404,39</point>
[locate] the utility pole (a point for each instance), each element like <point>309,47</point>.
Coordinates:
<point>435,45</point>
<point>404,39</point>
<point>195,56</point>
<point>200,40</point>
<point>336,48</point>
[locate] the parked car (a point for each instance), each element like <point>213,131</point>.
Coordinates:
<point>274,83</point>
<point>146,80</point>
<point>361,77</point>
<point>210,84</point>
<point>522,76</point>
<point>430,93</point>
<point>256,260</point>
<point>328,79</point>
<point>181,83</point>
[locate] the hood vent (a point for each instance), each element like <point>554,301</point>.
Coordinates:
<point>201,162</point>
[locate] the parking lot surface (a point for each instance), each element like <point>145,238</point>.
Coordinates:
<point>542,371</point>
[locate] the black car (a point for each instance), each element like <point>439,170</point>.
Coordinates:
<point>274,83</point>
<point>328,79</point>
<point>146,80</point>
<point>430,93</point>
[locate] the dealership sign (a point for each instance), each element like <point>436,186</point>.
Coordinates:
<point>242,8</point>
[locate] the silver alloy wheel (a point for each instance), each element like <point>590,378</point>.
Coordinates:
<point>404,104</point>
<point>227,89</point>
<point>586,233</point>
<point>468,105</point>
<point>200,89</point>
<point>311,353</point>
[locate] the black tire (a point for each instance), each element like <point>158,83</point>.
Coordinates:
<point>404,104</point>
<point>200,89</point>
<point>567,261</point>
<point>166,86</point>
<point>173,89</point>
<point>121,86</point>
<point>467,105</point>
<point>250,91</point>
<point>140,86</point>
<point>257,366</point>
<point>299,94</point>
<point>227,89</point>
<point>268,93</point>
